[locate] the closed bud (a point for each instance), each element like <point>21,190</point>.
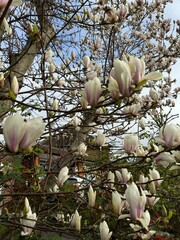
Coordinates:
<point>55,105</point>
<point>91,196</point>
<point>104,231</point>
<point>117,202</point>
<point>131,143</point>
<point>76,221</point>
<point>86,61</point>
<point>14,85</point>
<point>49,55</point>
<point>73,54</point>
<point>63,176</point>
<point>51,68</point>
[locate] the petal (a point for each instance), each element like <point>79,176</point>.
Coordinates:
<point>153,76</point>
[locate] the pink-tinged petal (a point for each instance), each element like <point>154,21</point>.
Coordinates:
<point>122,75</point>
<point>153,76</point>
<point>137,69</point>
<point>92,91</point>
<point>34,128</point>
<point>136,199</point>
<point>13,130</point>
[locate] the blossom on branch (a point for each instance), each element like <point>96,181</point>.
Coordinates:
<point>117,202</point>
<point>92,91</point>
<point>29,220</point>
<point>91,196</point>
<point>136,199</point>
<point>20,134</point>
<point>76,221</point>
<point>131,143</point>
<point>169,135</point>
<point>63,176</point>
<point>123,176</point>
<point>104,231</point>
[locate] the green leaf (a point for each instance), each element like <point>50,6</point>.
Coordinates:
<point>141,83</point>
<point>35,29</point>
<point>170,214</point>
<point>12,95</point>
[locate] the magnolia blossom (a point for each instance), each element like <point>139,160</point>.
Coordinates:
<point>73,54</point>
<point>154,94</point>
<point>33,129</point>
<point>101,139</point>
<point>164,159</point>
<point>82,149</point>
<point>92,91</point>
<point>143,180</point>
<point>91,196</point>
<point>136,199</point>
<point>145,220</point>
<point>142,123</point>
<point>76,221</point>
<point>117,202</point>
<point>76,121</point>
<point>84,102</point>
<point>122,11</point>
<point>29,220</point>
<point>48,55</point>
<point>131,143</point>
<point>110,178</point>
<point>169,135</point>
<point>151,185</point>
<point>124,176</point>
<point>51,68</point>
<point>55,104</point>
<point>63,176</point>
<point>113,88</point>
<point>133,109</point>
<point>121,73</point>
<point>150,200</point>
<point>137,68</point>
<point>86,61</point>
<point>104,231</point>
<point>14,85</point>
<point>155,176</point>
<point>20,134</point>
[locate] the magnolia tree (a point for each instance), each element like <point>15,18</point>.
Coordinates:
<point>88,146</point>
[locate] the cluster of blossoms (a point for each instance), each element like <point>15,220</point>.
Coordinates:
<point>127,75</point>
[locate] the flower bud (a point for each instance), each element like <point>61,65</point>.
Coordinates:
<point>104,231</point>
<point>86,61</point>
<point>63,176</point>
<point>48,55</point>
<point>76,221</point>
<point>14,85</point>
<point>117,202</point>
<point>131,143</point>
<point>55,105</point>
<point>124,176</point>
<point>82,149</point>
<point>91,196</point>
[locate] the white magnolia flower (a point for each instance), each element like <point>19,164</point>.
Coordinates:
<point>63,176</point>
<point>104,231</point>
